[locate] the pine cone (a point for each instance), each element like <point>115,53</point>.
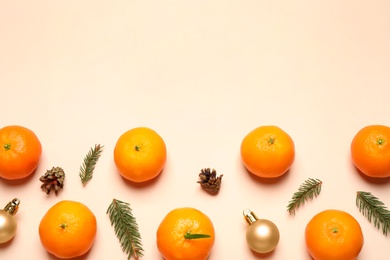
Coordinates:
<point>53,180</point>
<point>209,180</point>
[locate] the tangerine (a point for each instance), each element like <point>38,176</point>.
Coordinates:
<point>140,154</point>
<point>68,229</point>
<point>370,150</point>
<point>267,151</point>
<point>20,152</point>
<point>185,234</point>
<point>334,235</point>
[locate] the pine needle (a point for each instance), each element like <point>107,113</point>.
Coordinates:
<point>90,160</point>
<point>308,190</point>
<point>374,210</point>
<point>126,228</point>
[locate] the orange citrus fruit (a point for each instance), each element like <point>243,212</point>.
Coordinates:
<point>140,154</point>
<point>267,151</point>
<point>20,152</point>
<point>185,234</point>
<point>68,229</point>
<point>334,235</point>
<point>370,150</point>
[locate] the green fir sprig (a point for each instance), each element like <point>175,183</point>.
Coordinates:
<point>126,228</point>
<point>308,190</point>
<point>90,160</point>
<point>374,210</point>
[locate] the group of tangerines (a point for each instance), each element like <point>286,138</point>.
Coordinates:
<point>68,229</point>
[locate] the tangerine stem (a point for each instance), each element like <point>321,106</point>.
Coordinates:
<point>188,235</point>
<point>271,140</point>
<point>335,230</point>
<point>380,141</point>
<point>137,148</point>
<point>7,146</point>
<point>63,225</point>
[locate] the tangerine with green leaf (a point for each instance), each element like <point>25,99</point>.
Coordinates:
<point>185,234</point>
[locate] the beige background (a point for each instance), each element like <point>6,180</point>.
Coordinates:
<point>202,74</point>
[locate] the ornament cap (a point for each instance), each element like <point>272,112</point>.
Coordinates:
<point>250,216</point>
<point>12,206</point>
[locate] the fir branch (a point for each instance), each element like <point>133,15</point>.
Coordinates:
<point>126,228</point>
<point>374,210</point>
<point>90,160</point>
<point>308,190</point>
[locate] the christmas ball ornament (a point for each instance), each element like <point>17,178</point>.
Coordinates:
<point>262,235</point>
<point>8,223</point>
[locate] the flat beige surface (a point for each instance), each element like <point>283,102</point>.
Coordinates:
<point>202,74</point>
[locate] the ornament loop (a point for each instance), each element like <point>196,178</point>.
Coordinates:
<point>12,206</point>
<point>249,216</point>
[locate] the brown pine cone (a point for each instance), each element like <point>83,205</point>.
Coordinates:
<point>209,180</point>
<point>53,180</point>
